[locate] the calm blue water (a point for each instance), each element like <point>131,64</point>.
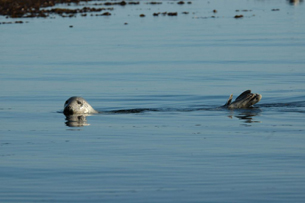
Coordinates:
<point>185,66</point>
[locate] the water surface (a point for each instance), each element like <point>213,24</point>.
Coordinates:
<point>185,66</point>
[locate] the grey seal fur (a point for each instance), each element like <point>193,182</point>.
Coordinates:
<point>78,105</point>
<point>244,100</point>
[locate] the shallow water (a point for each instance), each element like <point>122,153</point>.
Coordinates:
<point>184,67</point>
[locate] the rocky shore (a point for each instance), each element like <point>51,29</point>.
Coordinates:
<point>38,8</point>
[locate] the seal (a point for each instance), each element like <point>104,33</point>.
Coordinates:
<point>77,105</point>
<point>244,100</point>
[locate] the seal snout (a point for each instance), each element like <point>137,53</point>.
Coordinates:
<point>68,110</point>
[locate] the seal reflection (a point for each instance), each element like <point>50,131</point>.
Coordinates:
<point>246,115</point>
<point>76,121</point>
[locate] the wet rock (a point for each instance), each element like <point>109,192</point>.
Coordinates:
<point>244,10</point>
<point>294,2</point>
<point>185,12</point>
<point>122,3</point>
<point>238,16</point>
<point>37,8</point>
<point>7,22</point>
<point>142,15</point>
<point>106,14</point>
<point>154,3</point>
<point>133,3</point>
<point>172,14</point>
<point>275,9</point>
<point>108,4</point>
<point>214,11</point>
<point>26,8</point>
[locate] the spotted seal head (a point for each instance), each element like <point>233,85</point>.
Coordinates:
<point>244,100</point>
<point>77,105</point>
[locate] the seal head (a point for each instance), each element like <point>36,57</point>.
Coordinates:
<point>244,100</point>
<point>77,105</point>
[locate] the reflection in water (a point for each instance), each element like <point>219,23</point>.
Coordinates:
<point>294,2</point>
<point>246,115</point>
<point>76,121</point>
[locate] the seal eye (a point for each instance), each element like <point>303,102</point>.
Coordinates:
<point>79,102</point>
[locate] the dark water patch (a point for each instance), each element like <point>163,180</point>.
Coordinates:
<point>285,104</point>
<point>142,110</point>
<point>126,111</point>
<point>5,109</point>
<point>293,107</point>
<point>180,62</point>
